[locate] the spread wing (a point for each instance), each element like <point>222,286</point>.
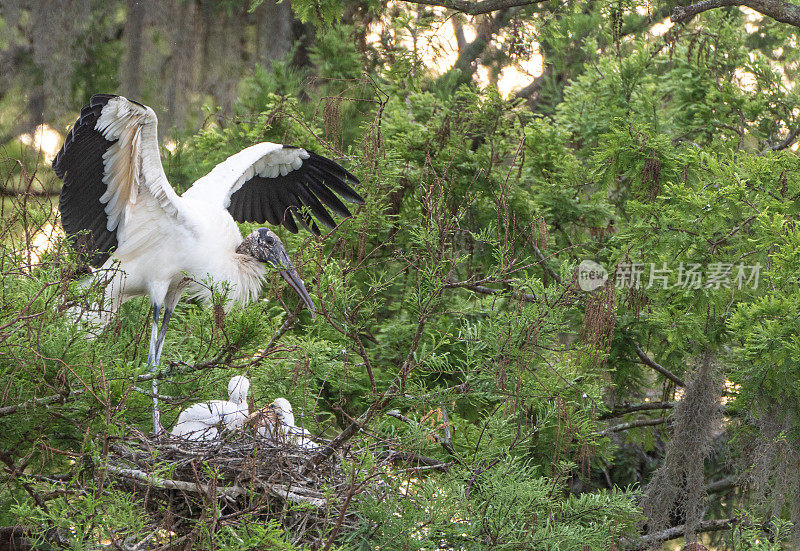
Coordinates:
<point>115,192</point>
<point>274,183</point>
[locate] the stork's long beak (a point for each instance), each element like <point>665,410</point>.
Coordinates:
<point>287,271</point>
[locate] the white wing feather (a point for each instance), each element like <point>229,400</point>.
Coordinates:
<point>265,159</point>
<point>139,202</point>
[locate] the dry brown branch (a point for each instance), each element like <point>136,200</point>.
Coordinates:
<point>395,389</point>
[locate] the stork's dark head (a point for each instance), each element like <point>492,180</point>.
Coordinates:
<point>263,245</point>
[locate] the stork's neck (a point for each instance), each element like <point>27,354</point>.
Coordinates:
<point>248,279</point>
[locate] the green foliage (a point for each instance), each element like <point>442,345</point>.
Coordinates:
<point>453,290</point>
<point>502,506</point>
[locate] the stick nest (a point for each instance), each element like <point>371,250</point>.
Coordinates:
<point>182,481</point>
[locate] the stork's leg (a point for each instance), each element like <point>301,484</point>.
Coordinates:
<point>152,364</point>
<point>162,333</point>
<point>156,347</point>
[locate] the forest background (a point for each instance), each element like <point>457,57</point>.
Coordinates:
<point>501,144</point>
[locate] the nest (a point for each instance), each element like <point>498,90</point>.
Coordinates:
<point>181,481</point>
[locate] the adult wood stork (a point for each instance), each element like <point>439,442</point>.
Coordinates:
<point>117,206</point>
<point>203,421</point>
<point>276,421</point>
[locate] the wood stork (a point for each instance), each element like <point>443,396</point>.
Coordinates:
<point>117,206</point>
<point>203,421</point>
<point>276,421</point>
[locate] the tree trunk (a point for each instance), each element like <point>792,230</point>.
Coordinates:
<point>180,67</point>
<point>131,73</point>
<point>274,35</point>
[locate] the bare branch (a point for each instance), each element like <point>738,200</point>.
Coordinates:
<point>786,142</point>
<point>649,422</point>
<point>475,8</point>
<point>648,541</point>
<point>400,417</point>
<point>277,490</point>
<point>55,398</point>
<point>785,12</point>
<point>651,363</point>
<point>468,55</point>
<point>632,408</point>
<point>722,485</point>
<point>536,84</point>
<point>419,461</point>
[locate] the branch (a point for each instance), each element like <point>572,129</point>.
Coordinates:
<point>8,410</point>
<point>221,361</point>
<point>525,297</point>
<point>536,84</point>
<point>350,430</point>
<point>399,416</point>
<point>651,363</point>
<point>786,142</point>
<point>419,461</point>
<point>778,10</point>
<point>475,8</point>
<point>180,368</point>
<point>722,485</point>
<point>276,490</point>
<point>648,541</point>
<point>465,63</point>
<point>649,422</point>
<point>378,405</point>
<point>632,408</point>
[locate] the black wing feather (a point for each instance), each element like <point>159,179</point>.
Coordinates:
<point>304,216</point>
<point>313,185</point>
<point>264,209</point>
<point>327,197</point>
<point>288,204</point>
<point>315,206</point>
<point>79,164</point>
<point>270,203</point>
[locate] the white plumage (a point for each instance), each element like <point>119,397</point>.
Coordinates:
<point>203,421</point>
<point>119,209</point>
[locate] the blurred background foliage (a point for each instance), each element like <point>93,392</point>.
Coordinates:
<point>497,151</point>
